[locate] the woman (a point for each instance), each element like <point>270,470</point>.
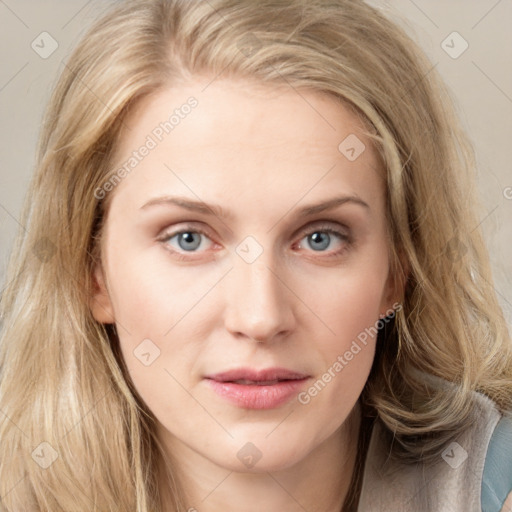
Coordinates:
<point>175,338</point>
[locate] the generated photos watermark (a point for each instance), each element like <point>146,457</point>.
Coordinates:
<point>304,397</point>
<point>152,140</point>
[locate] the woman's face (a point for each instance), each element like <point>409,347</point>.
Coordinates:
<point>289,270</point>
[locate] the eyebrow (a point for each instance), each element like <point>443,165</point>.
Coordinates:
<point>219,211</point>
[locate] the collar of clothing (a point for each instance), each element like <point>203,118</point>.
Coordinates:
<point>451,484</point>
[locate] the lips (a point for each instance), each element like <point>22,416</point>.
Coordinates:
<point>259,377</point>
<point>257,389</point>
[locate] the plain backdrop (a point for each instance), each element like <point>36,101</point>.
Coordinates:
<point>480,80</point>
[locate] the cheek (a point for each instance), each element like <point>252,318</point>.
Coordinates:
<point>350,301</point>
<point>150,294</point>
<point>349,310</point>
<point>348,355</point>
<point>156,310</point>
<point>347,359</point>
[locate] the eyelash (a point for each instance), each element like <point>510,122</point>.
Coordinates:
<point>325,228</point>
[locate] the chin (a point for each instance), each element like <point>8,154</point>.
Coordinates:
<point>258,454</point>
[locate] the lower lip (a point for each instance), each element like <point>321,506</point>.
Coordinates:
<point>252,396</point>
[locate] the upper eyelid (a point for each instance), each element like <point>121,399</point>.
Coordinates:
<point>315,224</point>
<point>323,224</point>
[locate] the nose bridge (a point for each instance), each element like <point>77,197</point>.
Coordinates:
<point>258,304</point>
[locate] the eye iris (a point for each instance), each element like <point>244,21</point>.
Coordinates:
<point>188,237</point>
<point>317,237</point>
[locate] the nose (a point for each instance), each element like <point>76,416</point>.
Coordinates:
<point>259,305</point>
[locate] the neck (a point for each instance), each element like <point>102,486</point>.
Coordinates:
<point>318,483</point>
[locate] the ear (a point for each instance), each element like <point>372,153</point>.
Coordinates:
<point>100,304</point>
<point>394,289</point>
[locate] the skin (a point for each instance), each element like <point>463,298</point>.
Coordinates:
<point>507,506</point>
<point>261,153</point>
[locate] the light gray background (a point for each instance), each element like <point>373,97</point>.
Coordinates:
<point>480,80</point>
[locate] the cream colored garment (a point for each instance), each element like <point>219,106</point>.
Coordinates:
<point>453,484</point>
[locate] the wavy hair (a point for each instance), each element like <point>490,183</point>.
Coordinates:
<point>64,391</point>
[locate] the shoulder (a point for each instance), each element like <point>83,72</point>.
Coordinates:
<point>497,473</point>
<point>464,478</point>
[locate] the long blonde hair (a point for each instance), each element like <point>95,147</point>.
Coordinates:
<point>74,434</point>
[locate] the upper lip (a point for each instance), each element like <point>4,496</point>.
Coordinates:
<point>266,374</point>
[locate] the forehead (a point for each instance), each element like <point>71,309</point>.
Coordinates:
<point>245,138</point>
<point>230,109</point>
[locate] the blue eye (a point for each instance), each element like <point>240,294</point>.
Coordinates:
<point>188,240</point>
<point>320,239</point>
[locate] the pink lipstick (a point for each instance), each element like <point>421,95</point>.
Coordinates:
<point>257,389</point>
